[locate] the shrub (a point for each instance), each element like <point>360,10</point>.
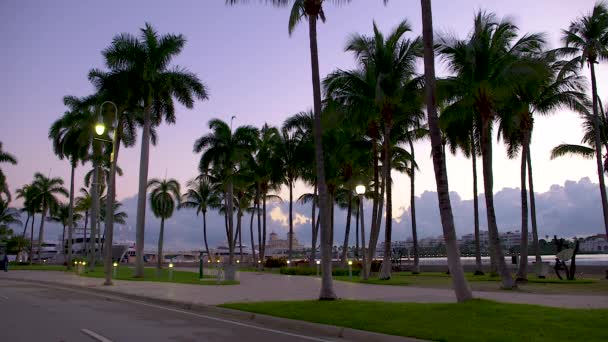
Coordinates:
<point>307,271</point>
<point>275,263</point>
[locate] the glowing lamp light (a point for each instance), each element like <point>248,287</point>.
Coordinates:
<point>360,189</point>
<point>218,261</point>
<point>238,261</point>
<point>115,264</point>
<point>84,263</point>
<point>318,262</point>
<point>208,260</point>
<point>288,262</point>
<point>350,262</point>
<point>100,129</point>
<point>259,261</point>
<point>171,265</point>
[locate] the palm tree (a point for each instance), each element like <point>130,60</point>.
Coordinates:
<point>146,60</point>
<point>47,190</point>
<point>224,150</point>
<point>8,217</point>
<point>31,205</point>
<point>200,195</point>
<point>288,152</point>
<point>165,195</point>
<point>5,157</point>
<point>62,216</point>
<point>461,288</point>
<point>587,41</point>
<point>71,136</point>
<point>487,66</point>
<point>553,85</point>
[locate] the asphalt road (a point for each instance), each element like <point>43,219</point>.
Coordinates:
<point>29,312</point>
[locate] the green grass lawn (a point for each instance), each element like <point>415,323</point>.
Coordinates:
<point>488,283</point>
<point>476,320</point>
<point>126,273</point>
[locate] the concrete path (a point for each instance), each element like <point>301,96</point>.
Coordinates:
<point>271,287</point>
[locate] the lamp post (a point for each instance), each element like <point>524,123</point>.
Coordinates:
<point>170,271</point>
<point>360,190</point>
<point>350,269</point>
<point>318,262</point>
<point>109,219</point>
<point>115,266</point>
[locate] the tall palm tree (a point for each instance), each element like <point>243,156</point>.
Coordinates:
<point>288,152</point>
<point>71,137</point>
<point>224,150</point>
<point>487,66</point>
<point>200,195</point>
<point>5,157</point>
<point>62,216</point>
<point>461,288</point>
<point>587,41</point>
<point>47,190</point>
<point>553,85</point>
<point>146,59</point>
<point>165,196</point>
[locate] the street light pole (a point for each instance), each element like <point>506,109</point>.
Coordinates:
<point>360,189</point>
<point>109,219</point>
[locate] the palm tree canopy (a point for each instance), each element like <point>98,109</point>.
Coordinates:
<point>146,60</point>
<point>5,157</point>
<point>47,190</point>
<point>62,215</point>
<point>200,195</point>
<point>587,37</point>
<point>164,195</point>
<point>8,216</point>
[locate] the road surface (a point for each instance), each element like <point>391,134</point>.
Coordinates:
<point>29,312</point>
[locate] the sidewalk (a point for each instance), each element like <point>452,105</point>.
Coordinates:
<point>270,287</point>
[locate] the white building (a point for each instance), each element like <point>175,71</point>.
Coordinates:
<point>596,243</point>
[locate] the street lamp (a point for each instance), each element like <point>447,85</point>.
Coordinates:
<point>100,129</point>
<point>360,190</point>
<point>318,263</point>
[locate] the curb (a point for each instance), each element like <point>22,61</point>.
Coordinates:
<point>278,323</point>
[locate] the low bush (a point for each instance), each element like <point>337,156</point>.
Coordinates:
<point>307,271</point>
<point>275,263</point>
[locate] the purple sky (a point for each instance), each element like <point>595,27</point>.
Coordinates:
<point>252,68</point>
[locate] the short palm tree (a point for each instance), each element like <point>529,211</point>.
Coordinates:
<point>200,195</point>
<point>224,150</point>
<point>587,41</point>
<point>146,59</point>
<point>8,217</point>
<point>31,205</point>
<point>165,196</point>
<point>5,157</point>
<point>47,190</point>
<point>62,216</point>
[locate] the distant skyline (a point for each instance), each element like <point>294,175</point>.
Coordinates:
<point>253,70</point>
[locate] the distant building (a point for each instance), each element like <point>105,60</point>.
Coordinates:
<point>507,240</point>
<point>277,247</point>
<point>596,243</point>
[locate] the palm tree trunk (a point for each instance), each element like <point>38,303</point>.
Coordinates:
<point>313,252</point>
<point>205,234</point>
<point>413,209</point>
<point>486,159</point>
<point>598,146</point>
<point>71,218</point>
<point>239,225</point>
<point>377,222</point>
<point>264,226</point>
<point>357,233</point>
<point>111,197</point>
<point>159,256</point>
<point>25,225</point>
<point>142,194</point>
<point>31,255</point>
<point>259,213</point>
<point>478,266</point>
<point>253,255</point>
<point>535,245</point>
<point>347,231</point>
<point>327,288</point>
<point>41,231</point>
<point>289,253</point>
<point>522,272</point>
<point>387,265</point>
<point>461,287</point>
<point>230,215</point>
<point>63,241</point>
<point>363,252</point>
<point>94,212</point>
